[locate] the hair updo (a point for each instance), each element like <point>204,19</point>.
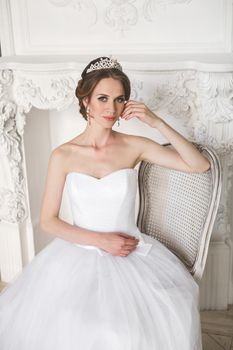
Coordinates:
<point>89,80</point>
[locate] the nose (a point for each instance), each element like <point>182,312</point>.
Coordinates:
<point>111,107</point>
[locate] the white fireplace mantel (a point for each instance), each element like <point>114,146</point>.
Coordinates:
<point>210,62</point>
<point>196,90</point>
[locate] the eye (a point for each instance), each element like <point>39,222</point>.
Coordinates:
<point>121,99</point>
<point>102,98</point>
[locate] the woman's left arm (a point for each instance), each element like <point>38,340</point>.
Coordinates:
<point>185,157</point>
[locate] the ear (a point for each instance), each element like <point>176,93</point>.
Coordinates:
<point>85,101</point>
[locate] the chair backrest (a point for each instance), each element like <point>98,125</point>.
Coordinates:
<point>179,208</point>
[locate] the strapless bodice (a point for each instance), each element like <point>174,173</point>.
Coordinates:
<point>106,204</point>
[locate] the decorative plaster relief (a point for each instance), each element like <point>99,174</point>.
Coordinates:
<point>121,15</point>
<point>55,93</point>
<point>216,96</point>
<point>86,8</point>
<point>136,89</point>
<point>198,98</point>
<point>178,97</point>
<point>129,26</point>
<point>224,222</point>
<point>12,202</point>
<point>151,7</point>
<point>215,109</point>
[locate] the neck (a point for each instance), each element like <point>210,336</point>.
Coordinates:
<point>97,136</point>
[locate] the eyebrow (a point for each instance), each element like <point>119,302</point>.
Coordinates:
<point>109,96</point>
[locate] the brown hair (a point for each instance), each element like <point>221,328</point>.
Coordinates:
<point>87,84</point>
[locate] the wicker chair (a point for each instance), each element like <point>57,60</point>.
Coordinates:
<point>179,208</point>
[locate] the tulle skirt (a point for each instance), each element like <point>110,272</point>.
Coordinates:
<point>71,298</point>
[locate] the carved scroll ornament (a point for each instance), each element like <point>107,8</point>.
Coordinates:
<point>12,201</point>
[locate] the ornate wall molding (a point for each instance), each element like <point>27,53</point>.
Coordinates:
<point>121,15</point>
<point>151,7</point>
<point>7,36</point>
<point>129,27</point>
<point>84,8</point>
<point>177,95</point>
<point>12,201</point>
<point>216,96</point>
<point>56,92</point>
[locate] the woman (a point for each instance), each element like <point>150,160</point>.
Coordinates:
<point>102,284</point>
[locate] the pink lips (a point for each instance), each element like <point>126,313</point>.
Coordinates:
<point>110,118</point>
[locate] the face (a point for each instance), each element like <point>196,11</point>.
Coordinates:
<point>106,102</point>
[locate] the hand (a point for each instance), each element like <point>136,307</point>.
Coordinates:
<point>117,243</point>
<point>141,111</point>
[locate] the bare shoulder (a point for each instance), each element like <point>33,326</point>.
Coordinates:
<point>65,150</point>
<point>59,153</point>
<point>59,158</point>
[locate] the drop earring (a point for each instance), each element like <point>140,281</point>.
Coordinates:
<point>88,116</point>
<point>118,122</point>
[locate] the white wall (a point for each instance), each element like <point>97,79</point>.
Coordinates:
<point>37,149</point>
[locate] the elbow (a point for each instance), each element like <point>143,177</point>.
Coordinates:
<point>44,225</point>
<point>205,167</point>
<point>47,223</point>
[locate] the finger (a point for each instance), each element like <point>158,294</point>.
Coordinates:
<point>130,245</point>
<point>130,242</point>
<point>130,107</point>
<point>127,236</point>
<point>133,109</point>
<point>133,114</point>
<point>124,254</point>
<point>134,105</point>
<point>127,250</point>
<point>133,102</point>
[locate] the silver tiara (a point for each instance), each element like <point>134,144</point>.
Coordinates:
<point>104,63</point>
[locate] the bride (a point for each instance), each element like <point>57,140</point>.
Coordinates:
<point>101,284</point>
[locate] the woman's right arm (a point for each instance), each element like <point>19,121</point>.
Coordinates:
<point>115,243</point>
<point>49,215</point>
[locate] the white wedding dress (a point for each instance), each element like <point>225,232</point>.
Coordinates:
<point>76,297</point>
